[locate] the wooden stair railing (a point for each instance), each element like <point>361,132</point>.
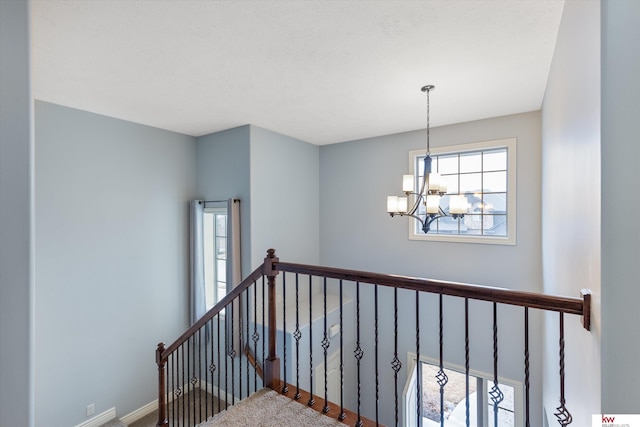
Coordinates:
<point>180,368</point>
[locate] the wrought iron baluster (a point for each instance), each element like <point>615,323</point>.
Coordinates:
<point>396,364</point>
<point>226,358</point>
<point>297,335</point>
<point>496,394</point>
<point>284,334</point>
<point>174,386</point>
<point>232,355</point>
<point>526,367</point>
<point>214,367</point>
<point>466,359</point>
<point>208,330</point>
<point>188,393</point>
<point>325,346</point>
<point>264,336</point>
<point>563,415</point>
<point>418,367</point>
<point>375,327</point>
<point>358,353</point>
<point>238,352</point>
<point>311,400</point>
<point>195,395</point>
<point>255,336</point>
<point>245,341</point>
<point>442,376</point>
<point>342,415</point>
<point>181,385</point>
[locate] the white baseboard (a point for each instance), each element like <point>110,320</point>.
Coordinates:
<point>100,419</point>
<point>152,406</point>
<point>140,413</point>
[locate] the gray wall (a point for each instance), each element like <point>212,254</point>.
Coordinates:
<point>223,172</point>
<point>571,205</point>
<point>16,217</point>
<point>284,197</point>
<point>111,244</point>
<point>620,230</point>
<point>356,232</point>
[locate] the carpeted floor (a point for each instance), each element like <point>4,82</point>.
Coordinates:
<point>267,408</point>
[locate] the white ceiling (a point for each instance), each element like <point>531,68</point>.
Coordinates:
<point>321,71</point>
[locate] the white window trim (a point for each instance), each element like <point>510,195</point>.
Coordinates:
<point>510,239</point>
<point>518,389</point>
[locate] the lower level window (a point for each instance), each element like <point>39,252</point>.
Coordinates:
<point>482,410</point>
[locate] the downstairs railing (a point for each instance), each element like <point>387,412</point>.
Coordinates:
<point>202,372</point>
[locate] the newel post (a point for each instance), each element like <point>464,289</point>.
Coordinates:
<point>272,364</point>
<point>162,403</point>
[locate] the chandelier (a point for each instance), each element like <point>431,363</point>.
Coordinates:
<point>432,191</point>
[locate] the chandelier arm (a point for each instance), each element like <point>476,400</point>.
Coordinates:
<point>426,225</point>
<point>416,204</point>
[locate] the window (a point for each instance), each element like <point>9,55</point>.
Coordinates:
<point>215,255</point>
<point>481,407</point>
<point>485,174</point>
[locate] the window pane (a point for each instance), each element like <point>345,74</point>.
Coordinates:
<point>221,248</point>
<point>494,160</point>
<point>448,164</point>
<point>452,183</point>
<point>495,182</point>
<point>506,408</point>
<point>222,290</point>
<point>495,225</point>
<point>470,162</point>
<point>470,183</point>
<point>221,267</point>
<point>495,203</point>
<point>221,225</point>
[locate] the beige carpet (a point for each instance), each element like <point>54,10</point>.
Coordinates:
<point>267,408</point>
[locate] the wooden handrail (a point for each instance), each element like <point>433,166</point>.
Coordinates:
<point>255,275</point>
<point>579,306</point>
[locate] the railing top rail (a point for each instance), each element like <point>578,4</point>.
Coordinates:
<point>569,305</point>
<point>255,275</point>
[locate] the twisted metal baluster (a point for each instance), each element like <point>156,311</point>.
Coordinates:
<point>342,415</point>
<point>325,345</point>
<point>245,341</point>
<point>526,365</point>
<point>466,358</point>
<point>396,364</point>
<point>297,335</point>
<point>358,353</point>
<point>496,394</point>
<point>218,351</point>
<point>311,400</point>
<point>418,370</point>
<point>206,376</point>
<point>563,415</point>
<point>256,335</point>
<point>263,324</point>
<point>239,351</point>
<point>284,333</point>
<point>226,359</point>
<point>375,315</point>
<point>199,377</point>
<point>441,377</point>
<point>181,383</point>
<point>232,355</point>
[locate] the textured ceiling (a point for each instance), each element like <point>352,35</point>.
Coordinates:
<point>321,71</point>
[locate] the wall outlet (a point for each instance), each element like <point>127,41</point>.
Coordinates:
<point>91,409</point>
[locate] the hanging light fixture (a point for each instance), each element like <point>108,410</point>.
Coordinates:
<point>431,191</point>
